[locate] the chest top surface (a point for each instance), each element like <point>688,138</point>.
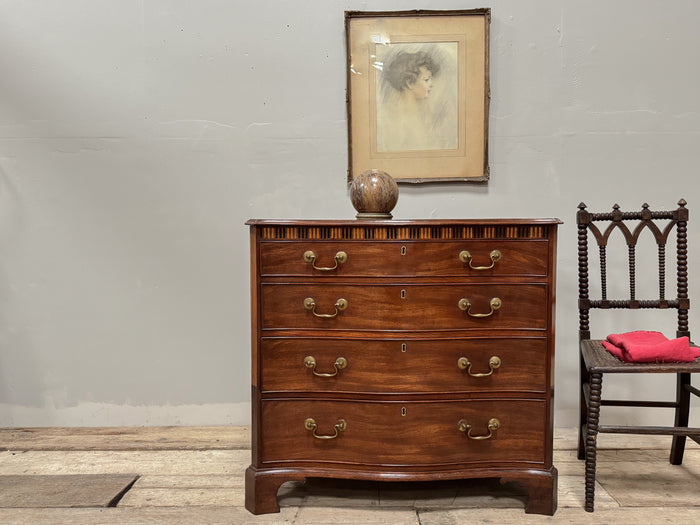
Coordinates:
<point>426,229</point>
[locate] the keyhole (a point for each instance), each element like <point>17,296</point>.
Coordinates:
<point>403,347</point>
<point>403,250</point>
<point>403,294</point>
<point>403,411</point>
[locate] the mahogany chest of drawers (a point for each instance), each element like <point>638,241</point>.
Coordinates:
<point>402,350</point>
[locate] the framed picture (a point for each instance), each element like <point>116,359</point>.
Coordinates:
<point>418,94</point>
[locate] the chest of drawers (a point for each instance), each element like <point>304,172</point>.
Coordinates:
<point>402,351</point>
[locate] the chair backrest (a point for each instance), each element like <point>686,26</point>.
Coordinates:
<point>632,224</point>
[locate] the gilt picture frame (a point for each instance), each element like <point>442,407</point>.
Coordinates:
<point>418,94</point>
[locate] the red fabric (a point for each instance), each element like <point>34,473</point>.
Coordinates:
<point>650,347</point>
<point>615,350</point>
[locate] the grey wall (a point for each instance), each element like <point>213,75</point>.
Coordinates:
<point>137,136</point>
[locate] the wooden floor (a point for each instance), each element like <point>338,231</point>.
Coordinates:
<point>194,475</point>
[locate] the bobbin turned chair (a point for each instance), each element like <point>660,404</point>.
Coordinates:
<point>596,361</point>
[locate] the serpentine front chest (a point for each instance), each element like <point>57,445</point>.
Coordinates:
<point>402,350</point>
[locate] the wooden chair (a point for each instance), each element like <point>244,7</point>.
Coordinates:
<point>596,360</point>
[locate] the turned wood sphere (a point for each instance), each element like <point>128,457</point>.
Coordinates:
<point>374,194</point>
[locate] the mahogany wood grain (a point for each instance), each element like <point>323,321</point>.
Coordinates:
<point>389,366</point>
<point>405,432</point>
<point>404,306</point>
<point>405,258</point>
<point>401,392</point>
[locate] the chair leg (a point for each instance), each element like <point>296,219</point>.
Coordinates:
<point>682,415</point>
<point>596,384</point>
<point>583,410</point>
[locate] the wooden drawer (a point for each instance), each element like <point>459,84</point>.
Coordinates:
<point>408,433</point>
<point>400,365</point>
<point>403,307</point>
<point>402,259</point>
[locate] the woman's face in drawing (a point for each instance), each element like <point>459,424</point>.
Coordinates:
<point>421,88</point>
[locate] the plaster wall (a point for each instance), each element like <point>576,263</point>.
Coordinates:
<point>137,137</point>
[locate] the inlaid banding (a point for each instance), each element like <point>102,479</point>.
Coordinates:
<point>454,232</point>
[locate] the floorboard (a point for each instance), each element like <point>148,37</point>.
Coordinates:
<point>195,475</point>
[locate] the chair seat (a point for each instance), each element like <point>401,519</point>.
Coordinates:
<point>598,359</point>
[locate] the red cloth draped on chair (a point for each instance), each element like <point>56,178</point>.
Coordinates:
<point>650,347</point>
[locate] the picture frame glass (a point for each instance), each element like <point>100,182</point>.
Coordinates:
<point>418,89</point>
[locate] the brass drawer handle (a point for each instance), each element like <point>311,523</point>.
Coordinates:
<point>464,364</point>
<point>340,304</point>
<point>310,425</point>
<point>493,426</point>
<point>340,363</point>
<point>466,257</point>
<point>340,258</point>
<point>464,305</point>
